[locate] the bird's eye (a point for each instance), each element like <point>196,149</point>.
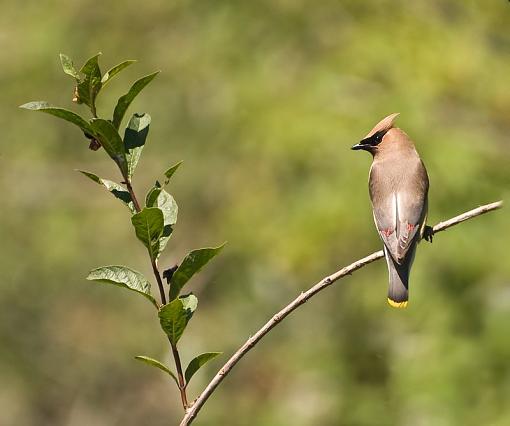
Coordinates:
<point>378,138</point>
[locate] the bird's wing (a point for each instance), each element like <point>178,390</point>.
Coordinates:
<point>385,213</point>
<point>400,210</point>
<point>412,211</point>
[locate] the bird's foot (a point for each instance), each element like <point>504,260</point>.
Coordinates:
<point>428,233</point>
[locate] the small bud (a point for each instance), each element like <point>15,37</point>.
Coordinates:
<point>76,96</point>
<point>94,145</point>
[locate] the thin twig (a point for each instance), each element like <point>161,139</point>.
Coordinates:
<point>132,193</point>
<point>159,281</point>
<point>443,226</point>
<point>180,376</point>
<point>302,298</point>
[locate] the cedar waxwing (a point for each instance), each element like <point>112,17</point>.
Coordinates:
<point>398,186</point>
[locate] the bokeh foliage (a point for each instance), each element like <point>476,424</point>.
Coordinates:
<point>261,100</point>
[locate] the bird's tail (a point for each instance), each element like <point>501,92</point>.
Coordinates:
<point>398,291</point>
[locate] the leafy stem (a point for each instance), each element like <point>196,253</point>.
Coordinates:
<point>157,275</point>
<point>154,265</point>
<point>153,221</point>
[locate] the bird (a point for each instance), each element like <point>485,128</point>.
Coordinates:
<point>398,189</point>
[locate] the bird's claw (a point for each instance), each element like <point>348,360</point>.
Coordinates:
<point>428,233</point>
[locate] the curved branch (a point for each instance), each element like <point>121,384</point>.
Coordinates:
<point>192,412</point>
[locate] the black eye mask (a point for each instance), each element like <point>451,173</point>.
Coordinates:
<point>375,139</point>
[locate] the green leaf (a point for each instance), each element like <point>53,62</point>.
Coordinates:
<point>197,362</point>
<point>158,197</point>
<point>149,226</point>
<point>152,196</point>
<point>91,65</point>
<point>61,113</point>
<point>118,191</point>
<point>124,101</point>
<point>111,142</point>
<point>89,87</point>
<point>112,72</point>
<point>191,264</point>
<point>155,363</point>
<point>125,277</point>
<point>166,179</point>
<point>134,139</point>
<point>169,208</point>
<point>68,66</point>
<point>170,172</point>
<point>174,316</point>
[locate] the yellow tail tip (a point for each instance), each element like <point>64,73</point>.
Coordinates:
<point>397,304</point>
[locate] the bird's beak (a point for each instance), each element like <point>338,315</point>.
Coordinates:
<point>361,145</point>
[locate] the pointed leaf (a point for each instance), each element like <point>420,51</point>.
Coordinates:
<point>125,277</point>
<point>149,226</point>
<point>134,139</point>
<point>169,173</point>
<point>89,87</point>
<point>197,363</point>
<point>118,191</point>
<point>68,66</point>
<point>112,72</point>
<point>91,65</point>
<point>61,113</point>
<point>154,191</point>
<point>191,264</point>
<point>155,363</point>
<point>124,101</point>
<point>158,197</point>
<point>174,316</point>
<point>111,142</point>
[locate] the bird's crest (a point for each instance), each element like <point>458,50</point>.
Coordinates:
<point>384,125</point>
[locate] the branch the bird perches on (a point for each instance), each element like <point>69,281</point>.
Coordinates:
<point>192,411</point>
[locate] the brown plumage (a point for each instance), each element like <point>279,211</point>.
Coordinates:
<point>398,186</point>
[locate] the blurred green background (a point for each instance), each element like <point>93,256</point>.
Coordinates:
<point>262,100</point>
